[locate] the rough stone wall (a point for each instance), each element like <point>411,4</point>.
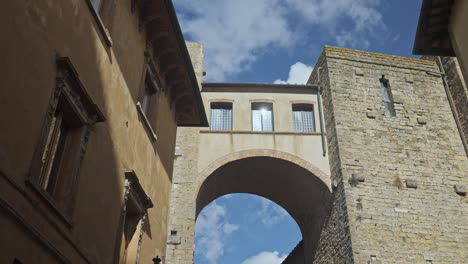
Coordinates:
<point>180,246</point>
<point>335,241</point>
<point>457,92</point>
<point>398,174</point>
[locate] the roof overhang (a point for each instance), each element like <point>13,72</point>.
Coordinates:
<point>432,35</point>
<point>166,44</point>
<point>259,88</point>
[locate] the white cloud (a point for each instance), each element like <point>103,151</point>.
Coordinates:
<point>299,73</point>
<point>212,229</point>
<point>265,257</point>
<point>234,32</point>
<point>270,213</point>
<point>358,20</point>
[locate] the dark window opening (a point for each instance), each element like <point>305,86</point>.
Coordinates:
<point>133,214</point>
<point>387,97</point>
<point>59,150</point>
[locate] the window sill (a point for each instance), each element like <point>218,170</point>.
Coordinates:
<point>259,132</point>
<point>101,27</point>
<point>146,122</point>
<point>51,203</point>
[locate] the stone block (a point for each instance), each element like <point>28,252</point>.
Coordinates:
<point>370,114</point>
<point>460,189</point>
<point>413,184</point>
<point>421,120</point>
<point>357,177</point>
<point>173,240</point>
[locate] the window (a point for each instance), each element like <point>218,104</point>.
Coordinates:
<point>97,4</point>
<point>71,115</point>
<point>151,88</point>
<point>63,124</point>
<point>149,91</point>
<point>262,117</point>
<point>221,116</point>
<point>303,118</point>
<point>133,215</point>
<point>387,97</point>
<point>133,218</point>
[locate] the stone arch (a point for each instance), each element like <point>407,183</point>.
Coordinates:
<point>263,153</point>
<point>302,189</point>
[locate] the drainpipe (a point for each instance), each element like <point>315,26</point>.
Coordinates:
<point>319,102</point>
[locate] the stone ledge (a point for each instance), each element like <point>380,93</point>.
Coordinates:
<point>258,132</point>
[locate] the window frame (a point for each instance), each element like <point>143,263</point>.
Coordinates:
<point>149,96</point>
<point>259,104</point>
<point>79,114</point>
<point>304,106</point>
<point>133,193</point>
<point>219,103</point>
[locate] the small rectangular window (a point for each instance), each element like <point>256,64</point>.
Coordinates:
<point>387,97</point>
<point>221,116</point>
<point>262,117</point>
<point>303,118</point>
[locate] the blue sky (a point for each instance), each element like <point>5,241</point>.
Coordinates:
<point>266,41</point>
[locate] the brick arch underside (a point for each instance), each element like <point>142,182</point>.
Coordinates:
<point>293,183</point>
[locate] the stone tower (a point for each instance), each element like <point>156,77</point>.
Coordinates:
<point>398,165</point>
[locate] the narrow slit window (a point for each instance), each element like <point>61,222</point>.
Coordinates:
<point>262,117</point>
<point>303,118</point>
<point>387,97</point>
<point>221,116</point>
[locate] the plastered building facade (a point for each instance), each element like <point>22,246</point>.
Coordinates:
<point>92,94</point>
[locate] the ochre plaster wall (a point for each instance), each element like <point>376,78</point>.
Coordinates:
<point>36,32</point>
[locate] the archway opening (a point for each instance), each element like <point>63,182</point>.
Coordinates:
<point>291,185</point>
<point>244,229</point>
